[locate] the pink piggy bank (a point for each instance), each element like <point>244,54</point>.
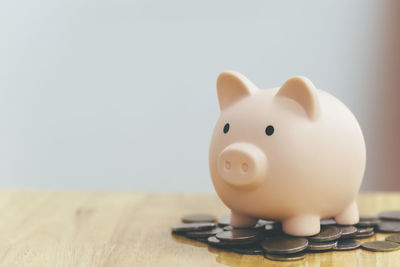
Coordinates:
<point>295,154</point>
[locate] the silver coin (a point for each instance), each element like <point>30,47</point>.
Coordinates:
<point>224,221</point>
<point>393,238</point>
<point>285,257</point>
<point>284,244</point>
<point>364,230</point>
<point>389,227</point>
<point>189,227</point>
<point>364,235</point>
<point>327,233</point>
<point>261,224</point>
<point>346,244</point>
<point>366,217</point>
<point>214,241</point>
<point>329,221</point>
<point>228,228</point>
<point>203,234</point>
<point>321,246</point>
<point>390,215</point>
<point>380,246</point>
<point>273,227</point>
<point>265,223</point>
<point>347,230</point>
<point>368,220</point>
<point>242,236</point>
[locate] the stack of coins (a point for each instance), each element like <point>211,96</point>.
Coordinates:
<point>267,238</point>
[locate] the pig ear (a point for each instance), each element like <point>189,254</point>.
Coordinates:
<point>303,91</point>
<point>232,87</point>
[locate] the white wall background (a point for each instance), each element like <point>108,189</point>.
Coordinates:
<point>120,95</point>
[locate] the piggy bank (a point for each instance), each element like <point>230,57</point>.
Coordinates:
<point>295,154</point>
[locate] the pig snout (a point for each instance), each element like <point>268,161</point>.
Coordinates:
<point>242,165</point>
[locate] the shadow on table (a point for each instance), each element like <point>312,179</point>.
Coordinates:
<point>229,258</point>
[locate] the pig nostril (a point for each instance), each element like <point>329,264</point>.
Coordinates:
<point>245,167</point>
<point>227,165</point>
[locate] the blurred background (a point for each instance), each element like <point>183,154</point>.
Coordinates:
<point>120,95</point>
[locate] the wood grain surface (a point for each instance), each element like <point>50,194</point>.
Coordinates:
<point>133,229</point>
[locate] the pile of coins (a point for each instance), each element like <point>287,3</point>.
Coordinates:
<point>267,238</point>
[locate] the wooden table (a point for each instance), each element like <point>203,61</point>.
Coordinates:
<point>133,229</point>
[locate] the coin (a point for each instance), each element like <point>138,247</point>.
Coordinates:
<point>262,223</point>
<point>390,215</point>
<point>320,246</point>
<point>242,236</point>
<point>327,233</point>
<point>255,249</point>
<point>346,244</point>
<point>329,221</point>
<point>368,220</point>
<point>389,227</point>
<point>368,223</point>
<point>189,227</point>
<point>283,244</point>
<point>278,246</point>
<point>224,221</point>
<point>380,246</point>
<point>197,218</point>
<point>363,235</point>
<point>347,230</point>
<point>202,234</point>
<point>393,238</point>
<point>364,230</point>
<point>272,227</point>
<point>285,257</point>
<point>364,217</point>
<point>228,228</point>
<point>213,241</point>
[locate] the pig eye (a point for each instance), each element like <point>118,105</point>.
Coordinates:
<point>226,128</point>
<point>269,130</point>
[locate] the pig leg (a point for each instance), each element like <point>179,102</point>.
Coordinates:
<point>242,221</point>
<point>302,225</point>
<point>349,215</point>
